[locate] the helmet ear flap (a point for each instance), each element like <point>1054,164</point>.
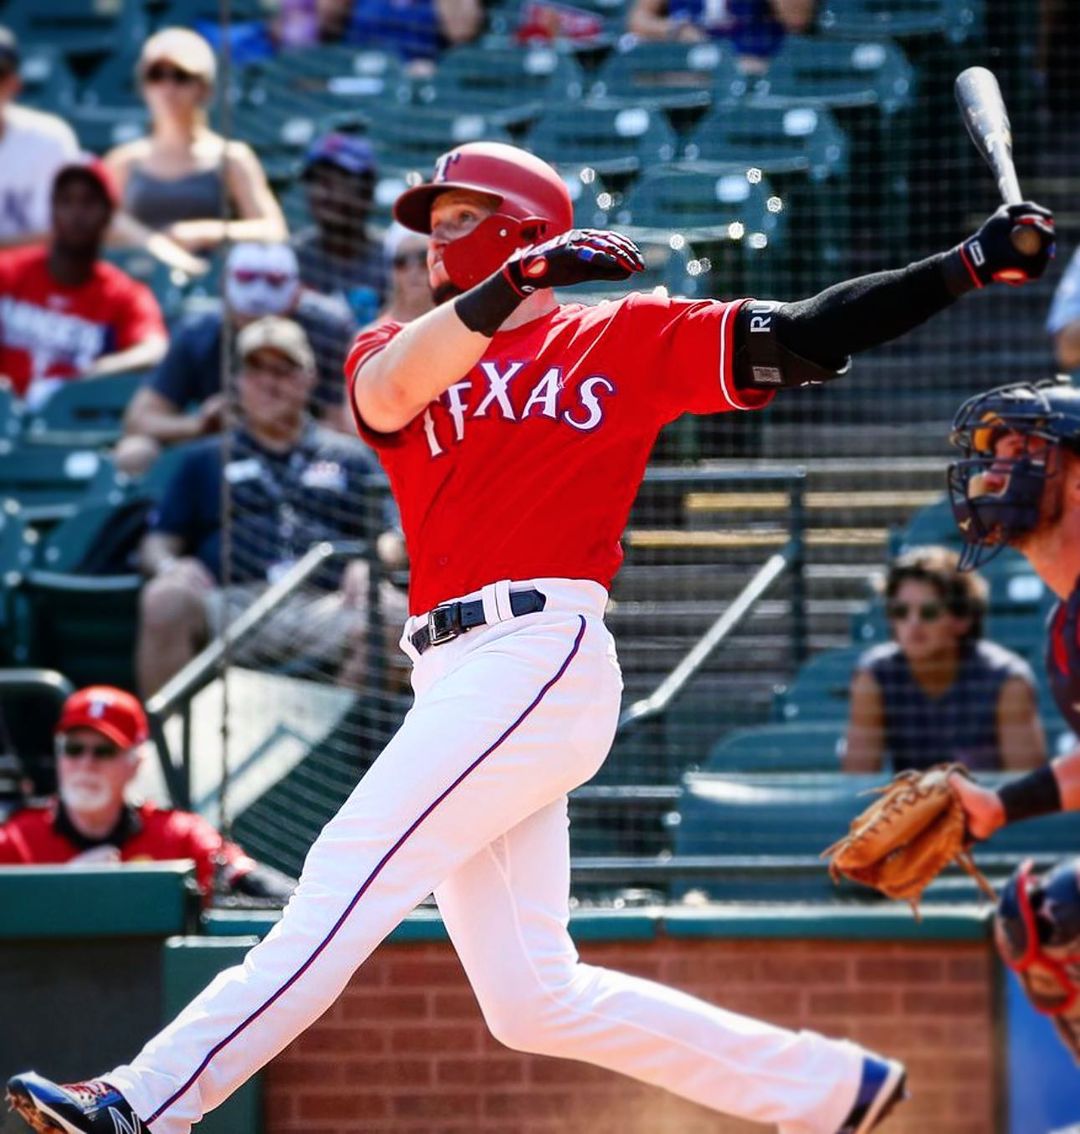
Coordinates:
<point>472,258</point>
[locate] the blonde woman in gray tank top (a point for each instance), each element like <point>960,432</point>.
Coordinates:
<point>184,189</point>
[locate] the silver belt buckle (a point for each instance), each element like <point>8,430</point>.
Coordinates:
<point>443,624</point>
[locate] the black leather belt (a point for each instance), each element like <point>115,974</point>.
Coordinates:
<point>447,622</point>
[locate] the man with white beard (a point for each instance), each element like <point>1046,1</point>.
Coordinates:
<point>100,739</point>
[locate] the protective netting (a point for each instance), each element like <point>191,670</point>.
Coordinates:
<point>769,162</point>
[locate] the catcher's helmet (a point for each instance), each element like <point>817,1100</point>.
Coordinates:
<point>996,497</point>
<point>534,205</point>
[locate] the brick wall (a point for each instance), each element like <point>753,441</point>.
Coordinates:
<point>405,1048</point>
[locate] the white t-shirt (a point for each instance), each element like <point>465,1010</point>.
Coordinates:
<point>33,146</point>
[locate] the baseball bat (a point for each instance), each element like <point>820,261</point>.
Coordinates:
<point>987,121</point>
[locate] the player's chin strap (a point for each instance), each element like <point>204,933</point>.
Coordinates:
<point>1036,931</point>
<point>471,259</point>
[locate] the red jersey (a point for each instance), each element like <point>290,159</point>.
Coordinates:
<point>528,466</point>
<point>40,836</point>
<point>48,330</point>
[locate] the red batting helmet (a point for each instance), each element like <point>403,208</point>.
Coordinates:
<point>534,204</point>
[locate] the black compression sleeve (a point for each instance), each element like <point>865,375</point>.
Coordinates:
<point>861,313</point>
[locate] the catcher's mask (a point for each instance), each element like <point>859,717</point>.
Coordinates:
<point>1037,930</point>
<point>533,205</point>
<point>995,495</point>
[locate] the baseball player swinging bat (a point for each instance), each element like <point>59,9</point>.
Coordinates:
<point>987,121</point>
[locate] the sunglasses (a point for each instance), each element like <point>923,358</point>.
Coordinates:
<point>404,259</point>
<point>926,611</point>
<point>248,276</point>
<point>159,73</point>
<point>75,748</point>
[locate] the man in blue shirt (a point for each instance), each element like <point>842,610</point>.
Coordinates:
<point>184,397</point>
<point>291,484</point>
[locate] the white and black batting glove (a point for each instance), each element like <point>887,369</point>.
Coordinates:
<point>990,256</point>
<point>573,257</point>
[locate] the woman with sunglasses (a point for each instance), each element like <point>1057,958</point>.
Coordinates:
<point>184,187</point>
<point>938,691</point>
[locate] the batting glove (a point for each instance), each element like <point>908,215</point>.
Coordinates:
<point>990,255</point>
<point>573,257</point>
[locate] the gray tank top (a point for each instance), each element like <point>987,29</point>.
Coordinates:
<point>157,202</point>
<point>959,725</point>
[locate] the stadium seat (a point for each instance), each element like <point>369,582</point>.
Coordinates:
<point>933,524</point>
<point>615,140</point>
<point>803,151</point>
<point>48,83</point>
<point>408,138</point>
<point>325,79</point>
<point>17,548</point>
<point>869,85</point>
<point>82,624</point>
<point>512,84</point>
<point>170,286</point>
<point>819,691</point>
<point>731,216</point>
<point>11,416</point>
<point>50,483</point>
<point>684,79</point>
<point>953,20</point>
<point>87,413</point>
<point>78,28</point>
<point>796,746</point>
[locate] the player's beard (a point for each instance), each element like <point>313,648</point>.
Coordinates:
<point>85,795</point>
<point>444,292</point>
<point>1051,509</point>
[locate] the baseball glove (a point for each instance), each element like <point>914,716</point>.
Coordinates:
<point>903,841</point>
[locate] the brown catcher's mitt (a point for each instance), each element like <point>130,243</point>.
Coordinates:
<point>903,841</point>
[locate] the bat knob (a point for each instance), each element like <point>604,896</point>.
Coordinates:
<point>1026,240</point>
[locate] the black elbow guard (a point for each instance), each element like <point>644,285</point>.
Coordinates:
<point>763,361</point>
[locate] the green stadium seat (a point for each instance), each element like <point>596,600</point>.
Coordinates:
<point>170,285</point>
<point>803,151</point>
<point>840,74</point>
<point>614,139</point>
<point>86,413</point>
<point>510,84</point>
<point>48,83</point>
<point>955,21</point>
<point>411,138</point>
<point>100,128</point>
<point>11,416</point>
<point>51,483</point>
<point>869,85</point>
<point>796,746</point>
<point>81,624</point>
<point>326,79</point>
<point>17,549</point>
<point>78,28</point>
<point>819,691</point>
<point>30,704</point>
<point>683,79</point>
<point>732,217</point>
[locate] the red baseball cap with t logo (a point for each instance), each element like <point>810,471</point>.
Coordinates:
<point>116,714</point>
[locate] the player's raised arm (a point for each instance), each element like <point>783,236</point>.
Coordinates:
<point>811,340</point>
<point>496,255</point>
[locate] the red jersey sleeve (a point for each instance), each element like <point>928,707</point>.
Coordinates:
<point>138,316</point>
<point>207,848</point>
<point>365,346</point>
<point>684,351</point>
<point>9,852</point>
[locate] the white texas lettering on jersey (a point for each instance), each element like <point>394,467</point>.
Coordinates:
<point>505,385</point>
<point>51,338</point>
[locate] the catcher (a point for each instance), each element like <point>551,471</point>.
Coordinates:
<point>1016,485</point>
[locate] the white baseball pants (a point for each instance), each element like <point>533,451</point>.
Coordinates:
<point>469,800</point>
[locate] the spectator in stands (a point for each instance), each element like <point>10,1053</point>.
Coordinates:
<point>100,739</point>
<point>184,398</point>
<point>183,186</point>
<point>65,313</point>
<point>410,293</point>
<point>1063,322</point>
<point>33,146</point>
<point>292,485</point>
<point>416,30</point>
<point>337,254</point>
<point>754,28</point>
<point>938,691</point>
